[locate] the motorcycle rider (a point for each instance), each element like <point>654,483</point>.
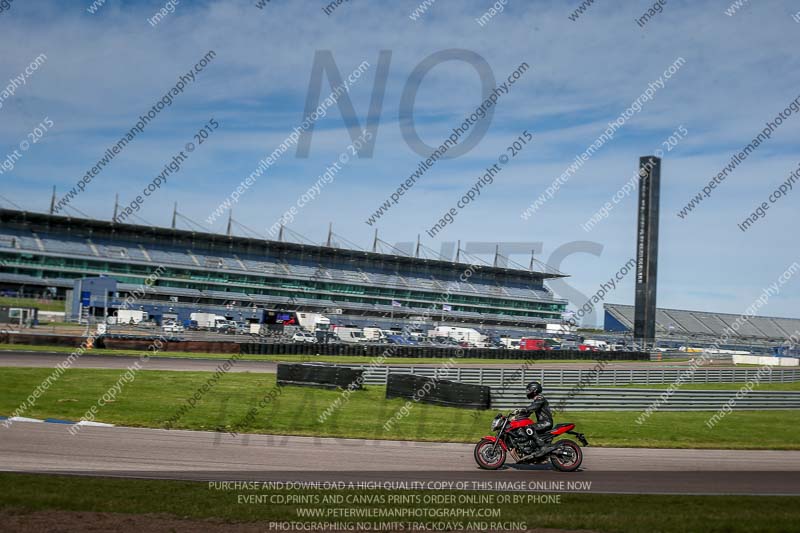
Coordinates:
<point>541,408</point>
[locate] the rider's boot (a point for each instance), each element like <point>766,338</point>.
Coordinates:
<point>539,450</point>
<point>542,448</point>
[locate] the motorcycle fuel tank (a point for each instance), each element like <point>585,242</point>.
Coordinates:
<point>520,423</point>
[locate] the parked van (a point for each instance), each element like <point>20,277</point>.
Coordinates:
<point>350,334</point>
<point>372,334</point>
<point>600,345</point>
<point>534,344</point>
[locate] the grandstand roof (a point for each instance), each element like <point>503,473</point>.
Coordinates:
<point>216,241</point>
<point>703,323</point>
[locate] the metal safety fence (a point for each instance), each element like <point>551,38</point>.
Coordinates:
<point>511,377</point>
<point>591,399</point>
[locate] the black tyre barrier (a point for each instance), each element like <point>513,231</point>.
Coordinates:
<point>326,376</point>
<point>393,350</point>
<point>438,391</point>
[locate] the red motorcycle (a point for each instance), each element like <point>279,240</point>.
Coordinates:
<point>515,436</point>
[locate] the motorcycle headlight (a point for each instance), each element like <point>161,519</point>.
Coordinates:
<point>497,422</point>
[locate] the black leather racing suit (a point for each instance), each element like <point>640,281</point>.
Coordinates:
<point>541,408</point>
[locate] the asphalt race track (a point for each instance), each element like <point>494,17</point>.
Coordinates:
<point>194,455</point>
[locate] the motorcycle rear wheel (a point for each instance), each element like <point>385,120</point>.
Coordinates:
<point>485,458</point>
<point>567,457</point>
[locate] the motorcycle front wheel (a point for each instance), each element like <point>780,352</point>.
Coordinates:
<point>488,456</point>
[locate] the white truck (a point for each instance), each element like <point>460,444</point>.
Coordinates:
<point>469,335</point>
<point>313,322</point>
<point>128,316</point>
<point>208,320</point>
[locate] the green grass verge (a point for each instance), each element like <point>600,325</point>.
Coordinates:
<point>348,359</point>
<point>42,305</point>
<point>21,493</point>
<point>155,396</point>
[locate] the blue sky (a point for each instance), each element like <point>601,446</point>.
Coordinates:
<point>105,69</point>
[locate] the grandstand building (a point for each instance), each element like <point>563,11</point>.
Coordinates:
<point>705,325</point>
<point>250,279</point>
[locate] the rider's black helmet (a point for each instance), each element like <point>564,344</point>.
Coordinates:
<point>533,389</point>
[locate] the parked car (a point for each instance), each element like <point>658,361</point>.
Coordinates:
<point>302,336</point>
<point>226,328</point>
<point>394,339</point>
<point>445,341</point>
<point>172,327</point>
<point>399,339</point>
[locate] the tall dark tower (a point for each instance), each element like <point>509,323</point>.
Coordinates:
<point>644,323</point>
